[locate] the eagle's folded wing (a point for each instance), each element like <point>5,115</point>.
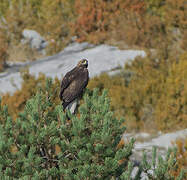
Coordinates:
<point>73,84</point>
<point>75,89</point>
<point>68,78</point>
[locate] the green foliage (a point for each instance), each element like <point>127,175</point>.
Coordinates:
<point>162,169</point>
<point>149,94</point>
<point>159,169</point>
<point>42,143</point>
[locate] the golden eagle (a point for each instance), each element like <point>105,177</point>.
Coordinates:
<point>73,85</point>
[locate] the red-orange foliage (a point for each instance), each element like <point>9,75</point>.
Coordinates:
<point>90,17</point>
<point>95,18</point>
<point>3,50</point>
<point>152,24</point>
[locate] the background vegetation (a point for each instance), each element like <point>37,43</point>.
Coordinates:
<point>150,92</point>
<point>150,95</point>
<point>158,24</point>
<point>84,146</point>
<point>181,155</point>
<point>155,96</point>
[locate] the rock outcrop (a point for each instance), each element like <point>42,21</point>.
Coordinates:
<point>102,58</point>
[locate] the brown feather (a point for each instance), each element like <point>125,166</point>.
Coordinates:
<point>73,84</point>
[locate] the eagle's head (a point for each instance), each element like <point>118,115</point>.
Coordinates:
<point>83,63</point>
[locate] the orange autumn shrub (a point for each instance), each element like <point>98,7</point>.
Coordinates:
<point>3,50</point>
<point>30,86</point>
<point>181,156</point>
<point>149,24</point>
<point>96,19</point>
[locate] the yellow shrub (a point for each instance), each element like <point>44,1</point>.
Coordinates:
<point>55,22</point>
<point>50,18</point>
<point>172,104</point>
<point>150,95</point>
<point>156,96</point>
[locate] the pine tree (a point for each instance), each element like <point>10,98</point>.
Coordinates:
<point>43,144</point>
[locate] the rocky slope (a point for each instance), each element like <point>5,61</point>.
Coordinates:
<point>101,58</point>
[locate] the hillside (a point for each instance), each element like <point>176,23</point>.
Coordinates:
<point>137,50</point>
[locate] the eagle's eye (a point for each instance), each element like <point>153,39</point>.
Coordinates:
<point>84,62</point>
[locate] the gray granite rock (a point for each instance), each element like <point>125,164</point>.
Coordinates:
<point>101,58</point>
<point>145,142</point>
<point>35,40</point>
